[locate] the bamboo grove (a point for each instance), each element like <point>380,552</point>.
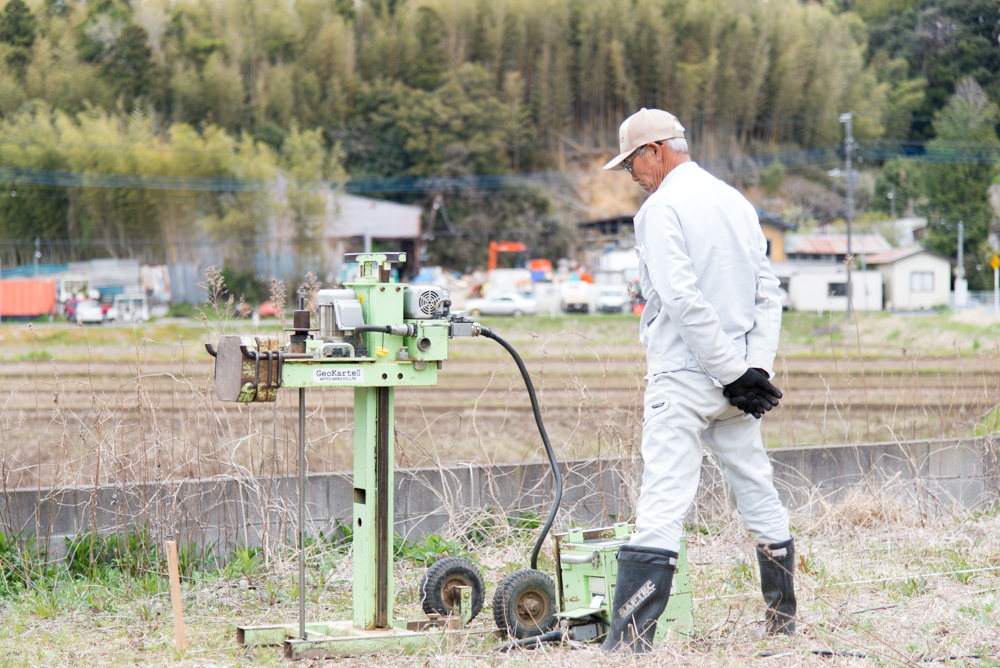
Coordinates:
<point>314,89</point>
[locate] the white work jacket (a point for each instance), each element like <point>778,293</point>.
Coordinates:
<point>712,299</point>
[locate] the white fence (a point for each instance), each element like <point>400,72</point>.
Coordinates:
<point>982,300</point>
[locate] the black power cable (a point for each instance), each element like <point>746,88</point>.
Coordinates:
<point>488,333</point>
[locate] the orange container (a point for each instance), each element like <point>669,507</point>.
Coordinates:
<point>27,298</point>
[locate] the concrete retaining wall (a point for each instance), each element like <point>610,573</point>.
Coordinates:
<point>934,475</point>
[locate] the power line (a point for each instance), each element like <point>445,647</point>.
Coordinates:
<point>878,150</point>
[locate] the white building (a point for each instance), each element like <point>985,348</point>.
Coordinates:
<point>910,231</point>
<point>341,227</point>
<point>914,278</point>
<point>832,248</point>
<point>824,289</point>
<point>815,275</point>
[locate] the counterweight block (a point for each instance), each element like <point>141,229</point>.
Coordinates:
<point>243,379</point>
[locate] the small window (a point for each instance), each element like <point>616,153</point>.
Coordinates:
<point>922,281</point>
<point>768,251</point>
<point>836,289</point>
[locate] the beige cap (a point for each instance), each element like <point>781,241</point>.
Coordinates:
<point>643,127</point>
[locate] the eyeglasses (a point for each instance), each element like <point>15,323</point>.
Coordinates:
<point>629,160</point>
<point>627,164</point>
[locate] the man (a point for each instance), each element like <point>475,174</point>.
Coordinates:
<point>710,327</point>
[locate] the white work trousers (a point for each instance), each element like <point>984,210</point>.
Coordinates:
<point>680,409</point>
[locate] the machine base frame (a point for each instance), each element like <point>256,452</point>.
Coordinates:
<point>329,640</point>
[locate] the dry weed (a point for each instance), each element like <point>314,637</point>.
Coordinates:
<point>895,592</point>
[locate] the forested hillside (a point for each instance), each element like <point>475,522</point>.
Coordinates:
<point>321,89</point>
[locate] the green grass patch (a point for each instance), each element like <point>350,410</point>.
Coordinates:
<point>22,562</point>
<point>35,356</point>
<point>990,424</point>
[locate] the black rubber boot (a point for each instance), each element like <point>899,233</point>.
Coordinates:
<point>777,564</point>
<point>641,592</point>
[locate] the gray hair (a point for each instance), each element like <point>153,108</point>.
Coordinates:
<point>677,144</point>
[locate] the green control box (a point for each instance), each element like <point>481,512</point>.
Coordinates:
<point>587,571</point>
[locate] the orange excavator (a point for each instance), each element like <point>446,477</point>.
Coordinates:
<point>497,247</point>
<point>535,265</point>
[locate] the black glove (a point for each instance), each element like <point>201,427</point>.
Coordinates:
<point>753,393</point>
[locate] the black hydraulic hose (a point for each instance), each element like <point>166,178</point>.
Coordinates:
<point>381,329</point>
<point>488,333</point>
<point>406,329</point>
<point>532,641</point>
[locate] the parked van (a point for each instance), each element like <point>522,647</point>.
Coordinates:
<point>129,308</point>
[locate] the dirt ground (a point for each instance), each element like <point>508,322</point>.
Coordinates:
<point>127,404</point>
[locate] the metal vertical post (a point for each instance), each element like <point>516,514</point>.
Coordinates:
<point>302,514</point>
<point>373,516</point>
<point>383,517</point>
<point>302,488</point>
<point>847,120</point>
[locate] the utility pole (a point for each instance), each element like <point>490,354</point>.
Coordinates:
<point>358,34</point>
<point>960,271</point>
<point>961,285</point>
<point>892,204</point>
<point>846,119</point>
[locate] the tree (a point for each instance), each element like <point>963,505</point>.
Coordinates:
<point>432,58</point>
<point>527,218</point>
<point>129,65</point>
<point>17,25</point>
<point>17,28</point>
<point>772,178</point>
<point>29,140</point>
<point>943,41</point>
<point>960,192</point>
<point>900,178</point>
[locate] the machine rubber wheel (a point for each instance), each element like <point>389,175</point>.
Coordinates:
<point>437,586</point>
<point>517,313</point>
<point>525,604</point>
<point>475,313</point>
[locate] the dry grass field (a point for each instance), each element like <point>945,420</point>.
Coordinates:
<point>879,583</point>
<point>80,405</point>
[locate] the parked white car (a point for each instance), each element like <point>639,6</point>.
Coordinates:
<point>89,311</point>
<point>507,303</point>
<point>613,298</point>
